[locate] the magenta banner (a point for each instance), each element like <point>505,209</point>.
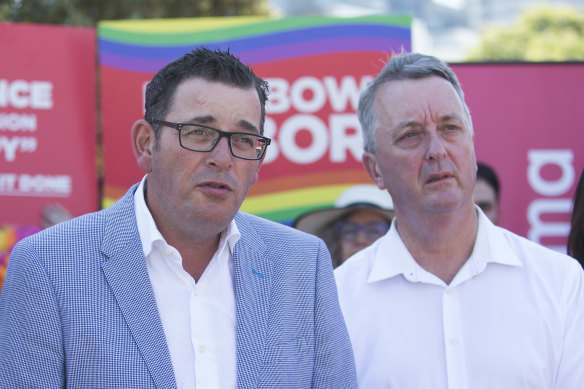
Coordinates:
<point>528,124</point>
<point>47,126</point>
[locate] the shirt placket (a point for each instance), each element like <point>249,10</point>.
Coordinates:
<point>453,339</point>
<point>199,327</point>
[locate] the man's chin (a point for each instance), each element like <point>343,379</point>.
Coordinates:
<point>444,203</point>
<point>217,215</point>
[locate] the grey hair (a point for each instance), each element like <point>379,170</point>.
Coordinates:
<point>403,66</point>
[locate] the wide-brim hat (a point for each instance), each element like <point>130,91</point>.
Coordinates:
<point>357,197</point>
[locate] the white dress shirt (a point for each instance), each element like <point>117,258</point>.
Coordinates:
<point>198,317</point>
<point>513,317</point>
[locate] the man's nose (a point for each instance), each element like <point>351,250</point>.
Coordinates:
<point>221,155</point>
<point>436,149</point>
<point>362,238</point>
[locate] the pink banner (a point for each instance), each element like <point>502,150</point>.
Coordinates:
<point>47,126</point>
<point>47,121</point>
<point>528,126</point>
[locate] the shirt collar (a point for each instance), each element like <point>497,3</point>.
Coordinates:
<point>149,232</point>
<point>391,256</point>
<point>229,238</point>
<point>146,225</point>
<point>491,245</point>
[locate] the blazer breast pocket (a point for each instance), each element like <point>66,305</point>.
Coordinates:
<point>289,363</point>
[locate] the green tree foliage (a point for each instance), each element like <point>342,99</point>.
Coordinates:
<point>542,34</point>
<point>89,12</point>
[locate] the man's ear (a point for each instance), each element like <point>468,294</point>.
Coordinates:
<point>372,168</point>
<point>143,140</point>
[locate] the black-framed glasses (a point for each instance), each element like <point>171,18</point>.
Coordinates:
<point>197,137</point>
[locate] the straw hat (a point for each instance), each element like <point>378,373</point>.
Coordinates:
<point>357,197</point>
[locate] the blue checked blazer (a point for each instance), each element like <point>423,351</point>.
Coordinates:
<point>78,311</point>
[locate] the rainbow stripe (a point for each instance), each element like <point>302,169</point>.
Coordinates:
<point>283,199</point>
<point>146,46</point>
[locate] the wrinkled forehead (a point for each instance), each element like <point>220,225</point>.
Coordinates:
<point>412,99</point>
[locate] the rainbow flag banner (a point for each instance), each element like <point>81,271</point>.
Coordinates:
<point>316,68</point>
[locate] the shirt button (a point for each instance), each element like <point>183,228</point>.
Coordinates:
<point>201,349</point>
<point>453,341</point>
<point>168,251</point>
<point>449,292</point>
<point>195,292</point>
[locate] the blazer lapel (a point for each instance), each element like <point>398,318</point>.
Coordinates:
<point>253,273</point>
<point>125,269</point>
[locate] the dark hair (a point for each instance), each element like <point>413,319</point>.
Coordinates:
<point>403,66</point>
<point>210,65</point>
<point>486,173</point>
<point>576,236</point>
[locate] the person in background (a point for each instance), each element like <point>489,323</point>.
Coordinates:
<point>52,214</point>
<point>172,286</point>
<point>487,192</point>
<point>576,235</point>
<point>361,215</point>
<point>446,299</point>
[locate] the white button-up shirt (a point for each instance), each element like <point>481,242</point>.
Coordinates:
<point>513,317</point>
<point>198,317</point>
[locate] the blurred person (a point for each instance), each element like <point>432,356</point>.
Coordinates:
<point>446,299</point>
<point>576,236</point>
<point>172,286</point>
<point>486,192</point>
<point>361,215</point>
<point>52,214</point>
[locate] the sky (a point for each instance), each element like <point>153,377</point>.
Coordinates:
<point>451,3</point>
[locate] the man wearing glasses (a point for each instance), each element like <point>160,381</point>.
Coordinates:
<point>172,286</point>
